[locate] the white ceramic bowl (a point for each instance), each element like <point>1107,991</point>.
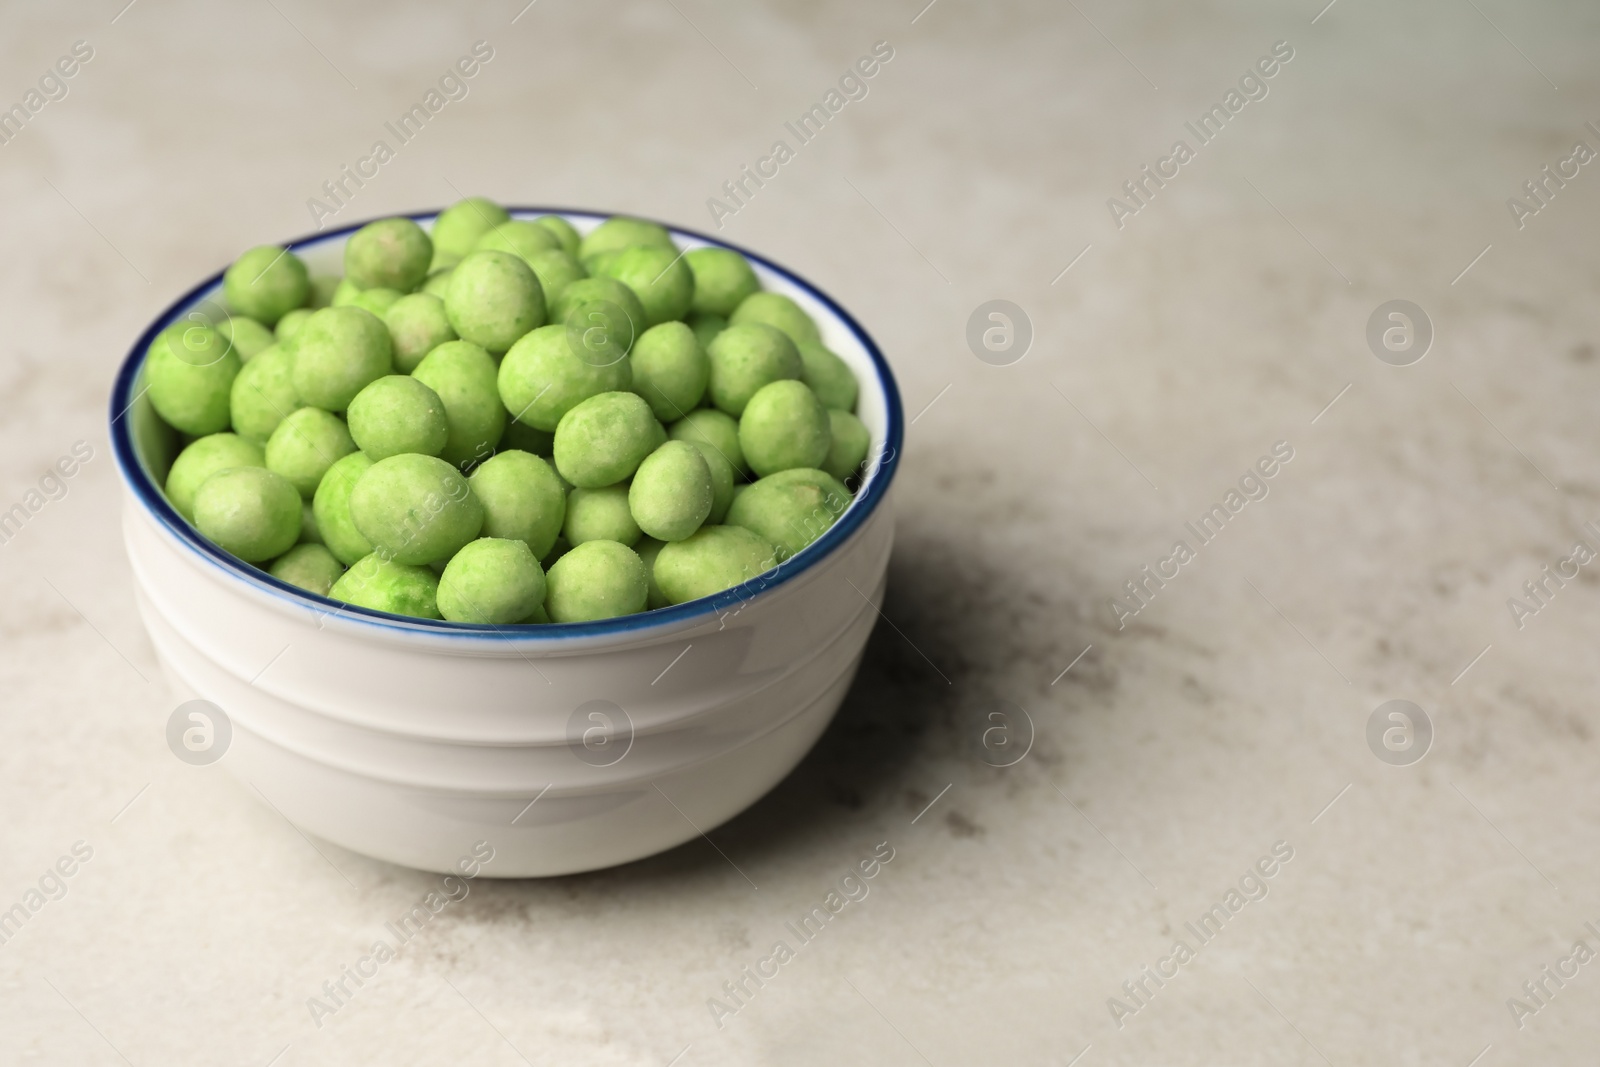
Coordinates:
<point>566,747</point>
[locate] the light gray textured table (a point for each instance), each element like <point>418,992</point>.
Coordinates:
<point>1226,314</point>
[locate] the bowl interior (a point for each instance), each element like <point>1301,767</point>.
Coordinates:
<point>145,446</point>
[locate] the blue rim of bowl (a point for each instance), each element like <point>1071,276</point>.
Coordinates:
<point>862,506</point>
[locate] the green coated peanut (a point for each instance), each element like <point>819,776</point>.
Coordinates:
<point>305,445</point>
<point>849,446</point>
<point>384,585</point>
<point>672,492</point>
<point>747,356</point>
<point>596,580</point>
<point>523,499</point>
<point>397,414</point>
<point>460,226</point>
<point>415,509</point>
<point>778,310</point>
<point>790,509</point>
<point>722,280</point>
<point>829,376</point>
<point>417,325</point>
<point>388,254</point>
<point>494,299</point>
<point>337,353</point>
<point>619,232</point>
<point>714,558</point>
<point>543,377</point>
<point>203,458</point>
<point>248,336</point>
<point>464,376</point>
<point>564,232</point>
<point>670,370</point>
<point>658,277</point>
<point>266,283</point>
<point>784,426</point>
<point>491,580</point>
<point>251,512</point>
<point>263,394</point>
<point>311,567</point>
<point>331,507</point>
<point>716,430</point>
<point>603,439</point>
<point>189,370</point>
<point>600,515</point>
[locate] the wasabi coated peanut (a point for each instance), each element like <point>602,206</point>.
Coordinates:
<point>722,479</point>
<point>670,370</point>
<point>415,509</point>
<point>464,377</point>
<point>460,225</point>
<point>775,309</point>
<point>388,254</point>
<point>722,279</point>
<point>337,353</point>
<point>521,437</point>
<point>384,585</point>
<point>491,581</point>
<point>658,277</point>
<point>377,301</point>
<point>784,426</point>
<point>344,293</point>
<point>522,500</point>
<point>438,283</point>
<point>849,446</point>
<point>705,326</point>
<point>249,511</point>
<point>597,264</point>
<point>290,324</point>
<point>331,507</point>
<point>672,492</point>
<point>602,440</point>
<point>619,232</point>
<point>595,580</point>
<point>712,559</point>
<point>311,567</point>
<point>648,548</point>
<point>542,377</point>
<point>203,458</point>
<point>556,269</point>
<point>590,309</point>
<point>829,377</point>
<point>494,299</point>
<point>189,371</point>
<point>519,237</point>
<point>305,445</point>
<point>791,509</point>
<point>744,357</point>
<point>248,336</point>
<point>396,414</point>
<point>600,515</point>
<point>417,325</point>
<point>263,394</point>
<point>716,430</point>
<point>564,232</point>
<point>265,283</point>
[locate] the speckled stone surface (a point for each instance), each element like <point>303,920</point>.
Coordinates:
<point>1226,314</point>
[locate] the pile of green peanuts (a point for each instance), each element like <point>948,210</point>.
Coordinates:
<point>506,422</point>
